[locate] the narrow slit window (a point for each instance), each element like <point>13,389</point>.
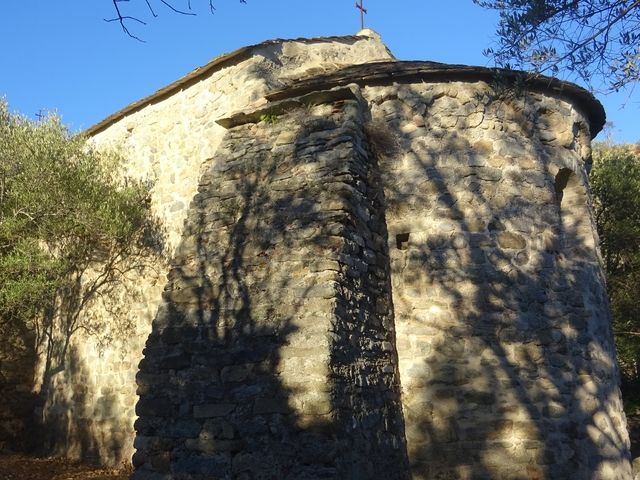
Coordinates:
<point>562,179</point>
<point>575,218</point>
<point>402,241</point>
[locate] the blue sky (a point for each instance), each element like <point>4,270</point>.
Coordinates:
<point>61,56</point>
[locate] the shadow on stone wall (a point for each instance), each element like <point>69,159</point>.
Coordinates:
<point>267,360</point>
<point>76,422</point>
<point>520,379</point>
<point>275,353</point>
<point>64,406</point>
<point>17,400</point>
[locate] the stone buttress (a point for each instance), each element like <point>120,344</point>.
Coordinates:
<point>274,353</point>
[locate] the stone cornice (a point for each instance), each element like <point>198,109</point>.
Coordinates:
<point>381,73</point>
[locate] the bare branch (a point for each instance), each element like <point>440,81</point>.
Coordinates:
<point>181,12</point>
<point>633,334</point>
<point>151,8</point>
<point>122,18</point>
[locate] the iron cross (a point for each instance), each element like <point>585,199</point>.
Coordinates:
<point>363,11</point>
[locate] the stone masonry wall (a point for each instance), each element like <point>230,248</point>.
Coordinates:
<point>89,395</point>
<point>17,401</point>
<point>497,323</point>
<point>273,355</point>
<point>506,356</point>
<point>397,279</point>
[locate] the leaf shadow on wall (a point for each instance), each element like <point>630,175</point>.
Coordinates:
<point>250,370</point>
<point>79,414</point>
<point>516,369</point>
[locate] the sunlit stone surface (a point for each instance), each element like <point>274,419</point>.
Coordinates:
<point>384,271</point>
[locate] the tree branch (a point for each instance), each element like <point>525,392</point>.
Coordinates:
<point>122,18</point>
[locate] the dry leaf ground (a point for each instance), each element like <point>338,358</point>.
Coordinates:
<point>22,467</point>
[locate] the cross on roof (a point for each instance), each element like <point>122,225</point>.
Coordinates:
<point>363,11</point>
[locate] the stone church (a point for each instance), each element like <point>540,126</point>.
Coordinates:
<point>375,269</point>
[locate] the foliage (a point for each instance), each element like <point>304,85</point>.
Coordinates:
<point>69,228</point>
<point>270,118</point>
<point>589,39</point>
<point>615,181</point>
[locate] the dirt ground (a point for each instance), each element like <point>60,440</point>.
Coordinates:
<point>21,467</point>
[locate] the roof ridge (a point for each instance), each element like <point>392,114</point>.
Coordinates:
<point>198,72</point>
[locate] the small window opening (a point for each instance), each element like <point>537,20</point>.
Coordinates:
<point>562,178</point>
<point>402,241</point>
<point>576,229</point>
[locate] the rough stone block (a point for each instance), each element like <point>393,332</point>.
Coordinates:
<point>209,410</point>
<point>265,406</point>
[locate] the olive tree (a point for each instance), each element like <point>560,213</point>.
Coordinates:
<point>592,40</point>
<point>71,227</point>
